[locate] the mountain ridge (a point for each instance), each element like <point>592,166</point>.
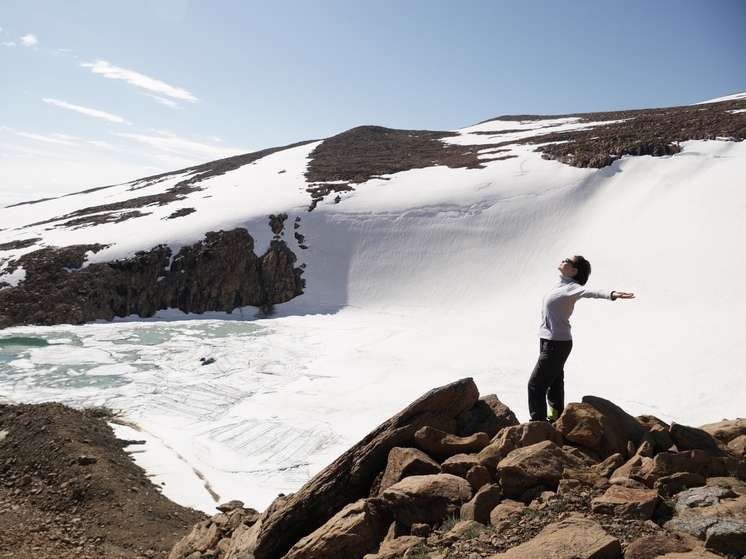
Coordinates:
<point>335,167</point>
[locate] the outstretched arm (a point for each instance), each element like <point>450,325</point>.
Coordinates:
<point>621,295</point>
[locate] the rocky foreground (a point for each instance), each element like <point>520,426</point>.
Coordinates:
<point>455,476</point>
<point>452,476</point>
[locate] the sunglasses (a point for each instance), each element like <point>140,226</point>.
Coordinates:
<point>570,262</point>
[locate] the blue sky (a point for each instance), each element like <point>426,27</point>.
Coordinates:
<point>96,93</point>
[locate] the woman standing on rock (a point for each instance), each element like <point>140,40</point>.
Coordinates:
<point>547,382</point>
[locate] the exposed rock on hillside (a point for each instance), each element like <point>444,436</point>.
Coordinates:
<point>220,273</point>
<point>434,481</point>
<point>655,132</point>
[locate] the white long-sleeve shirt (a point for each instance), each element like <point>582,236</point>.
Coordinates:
<point>558,304</point>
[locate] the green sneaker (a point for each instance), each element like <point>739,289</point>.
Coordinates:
<point>553,414</point>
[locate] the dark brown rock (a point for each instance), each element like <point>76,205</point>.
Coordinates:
<point>349,534</point>
<point>426,499</point>
<point>692,461</point>
<point>481,505</point>
<point>609,466</point>
<point>670,485</point>
<point>441,444</point>
<point>478,476</point>
<point>574,538</point>
<point>650,547</point>
<point>540,464</point>
<point>691,438</point>
<point>626,502</point>
<point>403,462</point>
<point>489,415</point>
<point>601,426</point>
<point>459,464</point>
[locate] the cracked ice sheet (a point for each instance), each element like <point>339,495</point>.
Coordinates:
<point>241,410</point>
<point>213,389</point>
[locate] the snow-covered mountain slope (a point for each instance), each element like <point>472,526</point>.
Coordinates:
<point>425,275</point>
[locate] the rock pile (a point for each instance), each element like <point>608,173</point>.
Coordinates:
<point>456,476</point>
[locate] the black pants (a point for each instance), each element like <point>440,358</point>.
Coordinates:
<point>547,382</point>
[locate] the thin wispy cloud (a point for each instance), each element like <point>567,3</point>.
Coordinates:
<point>61,139</point>
<point>102,144</point>
<point>86,111</point>
<point>139,80</point>
<point>163,101</point>
<point>62,53</point>
<point>29,40</point>
<point>185,148</point>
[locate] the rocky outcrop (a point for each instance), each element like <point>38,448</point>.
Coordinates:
<point>598,483</point>
<point>656,132</point>
<point>219,273</point>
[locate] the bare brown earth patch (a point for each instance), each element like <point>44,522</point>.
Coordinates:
<point>18,245</point>
<point>366,152</point>
<point>70,491</point>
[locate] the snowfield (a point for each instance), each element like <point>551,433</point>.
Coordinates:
<point>413,280</point>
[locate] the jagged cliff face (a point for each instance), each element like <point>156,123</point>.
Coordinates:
<point>220,273</point>
<point>218,269</point>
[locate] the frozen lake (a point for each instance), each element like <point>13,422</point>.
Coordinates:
<point>186,384</point>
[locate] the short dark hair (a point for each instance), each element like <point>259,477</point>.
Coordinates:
<point>583,267</point>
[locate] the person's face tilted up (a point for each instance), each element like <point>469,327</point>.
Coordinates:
<point>567,268</point>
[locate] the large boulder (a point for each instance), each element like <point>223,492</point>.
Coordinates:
<point>626,503</point>
<point>574,538</point>
<point>349,534</point>
<point>404,462</point>
<point>691,438</point>
<point>601,426</point>
<point>426,499</point>
<point>540,464</point>
<point>737,447</point>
